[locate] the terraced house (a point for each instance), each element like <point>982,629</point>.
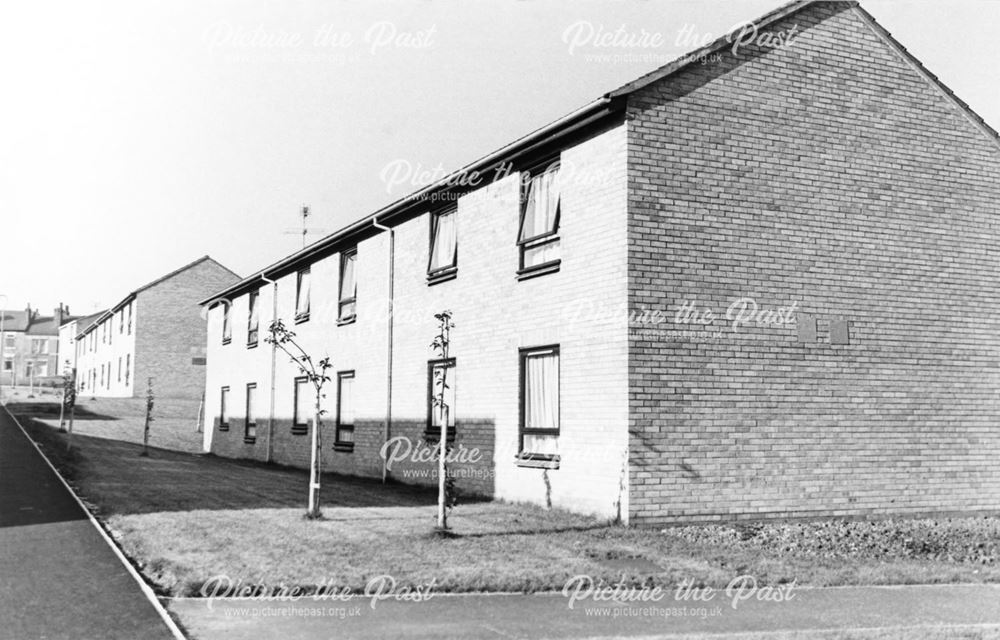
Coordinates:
<point>156,331</point>
<point>759,282</point>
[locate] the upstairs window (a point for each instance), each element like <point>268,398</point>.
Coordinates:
<point>440,374</point>
<point>129,318</point>
<point>444,246</point>
<point>121,321</point>
<point>538,238</point>
<point>540,407</point>
<point>227,322</point>
<point>253,319</point>
<point>302,295</point>
<point>224,409</point>
<point>344,440</point>
<point>348,286</point>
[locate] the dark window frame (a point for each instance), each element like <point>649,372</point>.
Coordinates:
<point>248,424</point>
<point>542,239</point>
<point>433,433</point>
<point>338,443</point>
<point>450,272</point>
<point>298,428</point>
<point>304,315</point>
<point>352,300</point>
<point>224,408</point>
<point>227,322</point>
<point>253,332</point>
<point>527,458</point>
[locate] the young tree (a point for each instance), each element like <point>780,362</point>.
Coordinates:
<point>315,372</point>
<point>149,417</point>
<point>447,497</point>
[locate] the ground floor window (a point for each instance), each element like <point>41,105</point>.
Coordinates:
<point>250,428</point>
<point>8,365</point>
<point>440,375</point>
<point>224,409</point>
<point>303,408</point>
<point>344,437</point>
<point>540,405</point>
<point>41,369</point>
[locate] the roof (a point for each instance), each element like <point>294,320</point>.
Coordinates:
<point>83,321</point>
<point>15,320</point>
<point>43,326</point>
<point>97,318</point>
<point>611,102</point>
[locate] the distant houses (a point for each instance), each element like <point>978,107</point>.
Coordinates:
<point>31,346</point>
<point>156,331</point>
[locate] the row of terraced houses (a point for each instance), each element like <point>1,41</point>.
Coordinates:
<point>759,282</point>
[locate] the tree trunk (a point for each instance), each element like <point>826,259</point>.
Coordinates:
<point>442,511</point>
<point>314,466</point>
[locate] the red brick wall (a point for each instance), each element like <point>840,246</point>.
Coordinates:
<point>170,330</point>
<point>833,175</point>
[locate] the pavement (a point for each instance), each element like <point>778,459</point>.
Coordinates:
<point>549,616</point>
<point>59,577</point>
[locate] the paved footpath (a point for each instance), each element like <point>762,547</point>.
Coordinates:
<point>59,578</point>
<point>548,616</point>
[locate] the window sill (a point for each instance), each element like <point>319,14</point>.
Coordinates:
<point>304,317</point>
<point>223,427</point>
<point>251,345</point>
<point>442,276</point>
<point>344,447</point>
<point>300,429</point>
<point>226,341</point>
<point>249,439</point>
<point>434,436</point>
<point>537,461</point>
<point>539,270</point>
<point>346,321</point>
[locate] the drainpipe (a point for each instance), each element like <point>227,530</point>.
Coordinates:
<point>389,327</point>
<point>274,356</point>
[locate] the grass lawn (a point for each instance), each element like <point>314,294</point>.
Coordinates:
<point>187,518</point>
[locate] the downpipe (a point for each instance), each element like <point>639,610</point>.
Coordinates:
<point>387,433</point>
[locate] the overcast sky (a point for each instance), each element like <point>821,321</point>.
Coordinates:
<point>138,136</point>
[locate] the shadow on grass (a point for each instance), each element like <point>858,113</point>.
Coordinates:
<point>114,477</point>
<point>51,410</point>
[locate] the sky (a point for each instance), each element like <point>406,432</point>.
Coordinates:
<point>137,136</point>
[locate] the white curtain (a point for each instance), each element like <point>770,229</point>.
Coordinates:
<point>543,203</point>
<point>305,399</point>
<point>254,319</point>
<point>449,396</point>
<point>346,417</point>
<point>445,241</point>
<point>227,325</point>
<point>542,393</point>
<point>302,296</point>
<point>348,285</point>
<point>224,407</point>
<point>251,404</point>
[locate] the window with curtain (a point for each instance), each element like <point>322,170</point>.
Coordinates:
<point>304,406</point>
<point>436,378</point>
<point>130,318</point>
<point>227,322</point>
<point>344,437</point>
<point>444,244</point>
<point>348,285</point>
<point>540,403</point>
<point>539,234</point>
<point>128,365</point>
<point>250,428</point>
<point>253,319</point>
<point>224,409</point>
<point>302,295</point>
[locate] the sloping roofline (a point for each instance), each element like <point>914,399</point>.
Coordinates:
<point>613,101</point>
<point>102,316</point>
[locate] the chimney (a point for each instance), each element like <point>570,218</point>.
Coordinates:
<point>57,313</point>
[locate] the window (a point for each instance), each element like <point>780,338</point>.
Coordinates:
<point>41,368</point>
<point>129,318</point>
<point>224,409</point>
<point>28,369</point>
<point>109,374</point>
<point>540,407</point>
<point>39,346</point>
<point>302,296</point>
<point>344,438</point>
<point>539,234</point>
<point>119,368</point>
<point>443,262</point>
<point>303,406</point>
<point>250,428</point>
<point>102,375</point>
<point>8,365</point>
<point>348,286</point>
<point>128,363</point>
<point>253,319</point>
<point>121,321</point>
<point>8,342</point>
<point>440,372</point>
<point>227,322</point>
